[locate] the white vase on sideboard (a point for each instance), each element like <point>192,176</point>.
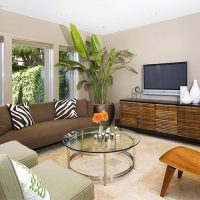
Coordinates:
<point>183,89</point>
<point>195,92</point>
<point>186,98</point>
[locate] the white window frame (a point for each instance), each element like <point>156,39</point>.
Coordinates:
<point>75,77</point>
<point>48,65</point>
<point>1,71</point>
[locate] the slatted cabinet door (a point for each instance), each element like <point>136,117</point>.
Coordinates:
<point>189,122</point>
<point>128,114</point>
<point>166,119</point>
<point>146,116</point>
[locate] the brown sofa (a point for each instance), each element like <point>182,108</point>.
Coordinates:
<point>46,130</point>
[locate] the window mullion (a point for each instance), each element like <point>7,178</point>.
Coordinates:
<point>1,73</point>
<point>48,74</point>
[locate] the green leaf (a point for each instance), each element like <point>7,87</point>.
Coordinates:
<point>78,42</point>
<point>72,65</point>
<point>110,80</point>
<point>118,60</point>
<point>107,68</point>
<point>95,44</point>
<point>125,53</point>
<point>81,83</point>
<point>125,67</point>
<point>109,63</point>
<point>97,57</point>
<point>112,52</point>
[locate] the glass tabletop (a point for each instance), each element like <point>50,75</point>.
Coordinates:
<point>110,140</point>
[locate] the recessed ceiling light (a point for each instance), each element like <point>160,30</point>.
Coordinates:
<point>64,14</point>
<point>154,13</point>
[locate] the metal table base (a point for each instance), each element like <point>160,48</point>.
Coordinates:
<point>105,177</point>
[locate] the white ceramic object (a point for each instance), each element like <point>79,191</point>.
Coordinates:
<point>195,93</point>
<point>182,91</point>
<point>186,98</point>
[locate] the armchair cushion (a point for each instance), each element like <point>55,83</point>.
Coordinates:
<point>64,184</point>
<point>20,153</point>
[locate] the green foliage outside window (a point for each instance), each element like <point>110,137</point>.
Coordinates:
<point>32,84</point>
<point>26,57</point>
<point>27,80</point>
<point>63,76</point>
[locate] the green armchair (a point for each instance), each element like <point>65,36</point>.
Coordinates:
<point>62,183</point>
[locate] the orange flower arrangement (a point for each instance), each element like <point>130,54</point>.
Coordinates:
<point>100,117</point>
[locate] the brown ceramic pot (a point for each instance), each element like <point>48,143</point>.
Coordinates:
<point>109,108</point>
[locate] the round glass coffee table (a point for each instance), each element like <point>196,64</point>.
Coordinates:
<point>111,141</point>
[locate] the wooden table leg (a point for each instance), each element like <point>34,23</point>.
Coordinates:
<point>168,176</point>
<point>180,173</point>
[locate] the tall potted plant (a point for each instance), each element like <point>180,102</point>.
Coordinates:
<point>97,66</point>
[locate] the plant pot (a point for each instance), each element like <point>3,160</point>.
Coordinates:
<point>109,108</point>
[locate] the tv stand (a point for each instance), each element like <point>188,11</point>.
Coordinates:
<point>166,118</point>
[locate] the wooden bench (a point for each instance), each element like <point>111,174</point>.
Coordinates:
<point>182,158</point>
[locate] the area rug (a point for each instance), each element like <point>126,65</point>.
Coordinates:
<point>144,182</point>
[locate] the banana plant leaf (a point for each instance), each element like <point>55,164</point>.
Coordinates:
<point>81,83</point>
<point>72,65</point>
<point>95,44</point>
<point>78,42</point>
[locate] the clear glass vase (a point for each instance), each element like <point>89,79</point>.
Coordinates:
<point>100,128</point>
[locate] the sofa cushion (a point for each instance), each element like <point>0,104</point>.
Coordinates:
<point>45,133</point>
<point>20,116</point>
<point>82,107</point>
<point>42,112</point>
<point>63,183</point>
<point>5,121</point>
<point>65,109</point>
<point>20,153</point>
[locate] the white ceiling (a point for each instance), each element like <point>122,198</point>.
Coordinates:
<point>103,16</point>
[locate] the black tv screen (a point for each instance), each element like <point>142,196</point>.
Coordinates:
<point>165,76</point>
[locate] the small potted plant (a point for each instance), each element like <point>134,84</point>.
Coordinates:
<point>99,118</point>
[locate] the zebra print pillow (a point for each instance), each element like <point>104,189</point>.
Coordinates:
<point>65,109</point>
<point>20,116</point>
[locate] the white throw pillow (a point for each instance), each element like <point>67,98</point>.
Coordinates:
<point>31,185</point>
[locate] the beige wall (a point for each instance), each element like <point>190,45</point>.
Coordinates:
<point>15,26</point>
<point>169,41</point>
<point>24,27</point>
<point>173,40</point>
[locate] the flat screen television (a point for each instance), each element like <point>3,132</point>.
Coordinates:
<point>164,78</point>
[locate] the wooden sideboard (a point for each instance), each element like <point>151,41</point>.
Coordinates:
<point>168,118</point>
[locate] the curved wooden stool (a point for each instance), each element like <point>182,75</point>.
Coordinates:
<point>181,158</point>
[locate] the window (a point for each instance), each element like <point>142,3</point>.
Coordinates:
<point>67,79</point>
<point>1,70</point>
<point>64,76</point>
<point>30,73</point>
